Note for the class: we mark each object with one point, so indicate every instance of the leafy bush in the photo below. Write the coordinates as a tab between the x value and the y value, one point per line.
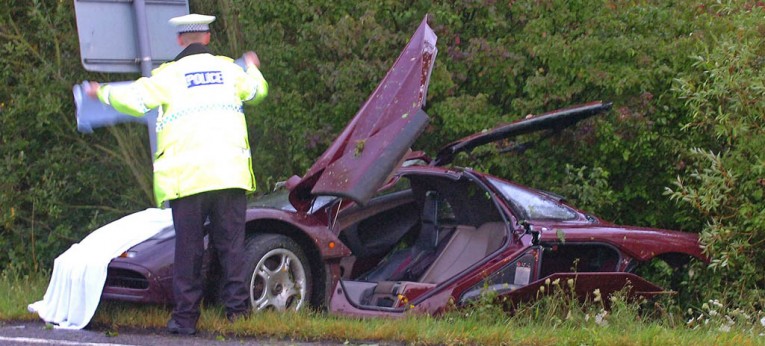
725	177
53	186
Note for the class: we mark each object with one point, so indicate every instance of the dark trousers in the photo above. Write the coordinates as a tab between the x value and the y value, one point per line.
226	211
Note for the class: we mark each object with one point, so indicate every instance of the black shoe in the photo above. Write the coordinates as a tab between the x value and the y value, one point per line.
174	328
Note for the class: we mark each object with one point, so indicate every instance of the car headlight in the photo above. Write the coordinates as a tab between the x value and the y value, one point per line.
128	254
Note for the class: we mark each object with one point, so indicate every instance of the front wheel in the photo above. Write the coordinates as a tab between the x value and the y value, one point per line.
279	276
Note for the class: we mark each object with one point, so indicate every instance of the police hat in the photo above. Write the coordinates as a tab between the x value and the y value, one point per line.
192	23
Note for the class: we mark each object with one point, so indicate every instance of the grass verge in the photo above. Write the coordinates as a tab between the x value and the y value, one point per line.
553	320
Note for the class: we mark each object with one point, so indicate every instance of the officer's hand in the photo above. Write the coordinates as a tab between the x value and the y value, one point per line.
92	89
251	59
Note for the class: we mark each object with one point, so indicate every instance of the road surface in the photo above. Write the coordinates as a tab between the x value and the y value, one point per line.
36	333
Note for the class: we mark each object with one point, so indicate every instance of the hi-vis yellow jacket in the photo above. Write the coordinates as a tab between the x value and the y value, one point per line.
202	142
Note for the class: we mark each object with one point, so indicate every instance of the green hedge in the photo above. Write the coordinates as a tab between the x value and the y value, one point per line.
682	75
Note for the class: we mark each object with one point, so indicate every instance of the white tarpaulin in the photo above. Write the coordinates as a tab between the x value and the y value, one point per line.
79	273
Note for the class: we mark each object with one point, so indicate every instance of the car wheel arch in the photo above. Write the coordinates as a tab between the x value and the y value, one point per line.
305	243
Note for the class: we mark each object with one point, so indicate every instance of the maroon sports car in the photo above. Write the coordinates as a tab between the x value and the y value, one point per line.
376	229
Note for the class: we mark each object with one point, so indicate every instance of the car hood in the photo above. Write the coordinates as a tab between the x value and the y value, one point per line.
555	120
373	144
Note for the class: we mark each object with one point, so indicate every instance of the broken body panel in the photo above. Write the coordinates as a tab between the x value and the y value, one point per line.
601	255
370	148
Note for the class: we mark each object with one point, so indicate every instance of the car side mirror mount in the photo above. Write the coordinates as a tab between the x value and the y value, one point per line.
529	229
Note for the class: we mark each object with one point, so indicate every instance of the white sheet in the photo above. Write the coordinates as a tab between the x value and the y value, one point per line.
79	273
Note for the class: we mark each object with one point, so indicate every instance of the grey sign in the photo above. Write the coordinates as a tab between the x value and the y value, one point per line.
108	33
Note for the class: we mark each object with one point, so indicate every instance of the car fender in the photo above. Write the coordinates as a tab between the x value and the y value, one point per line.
322	241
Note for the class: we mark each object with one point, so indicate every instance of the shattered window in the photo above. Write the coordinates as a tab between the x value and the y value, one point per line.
535	206
512	276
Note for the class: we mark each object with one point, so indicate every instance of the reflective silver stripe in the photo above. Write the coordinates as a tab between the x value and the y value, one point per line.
107	89
169	118
139	99
252	94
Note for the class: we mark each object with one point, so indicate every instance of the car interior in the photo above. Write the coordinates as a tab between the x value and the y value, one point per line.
419	233
581	258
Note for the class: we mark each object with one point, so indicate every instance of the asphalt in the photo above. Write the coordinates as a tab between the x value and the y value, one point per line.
37	333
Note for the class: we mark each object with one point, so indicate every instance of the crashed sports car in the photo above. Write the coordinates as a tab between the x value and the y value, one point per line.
376	229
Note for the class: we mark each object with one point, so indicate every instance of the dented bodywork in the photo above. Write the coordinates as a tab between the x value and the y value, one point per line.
374	142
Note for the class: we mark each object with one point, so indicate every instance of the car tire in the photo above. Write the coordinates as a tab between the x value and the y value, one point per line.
278	273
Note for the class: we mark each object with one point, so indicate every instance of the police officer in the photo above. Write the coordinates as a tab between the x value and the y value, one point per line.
202	165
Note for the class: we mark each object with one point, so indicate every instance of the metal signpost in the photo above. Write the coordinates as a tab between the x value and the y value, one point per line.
118	36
